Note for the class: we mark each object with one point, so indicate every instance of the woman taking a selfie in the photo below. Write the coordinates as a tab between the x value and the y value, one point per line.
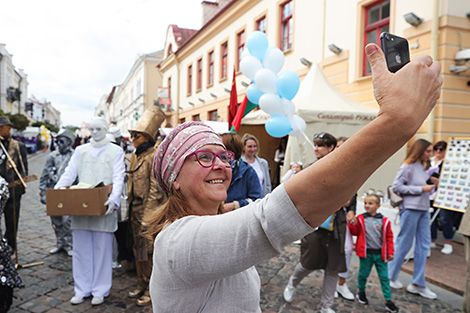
204	261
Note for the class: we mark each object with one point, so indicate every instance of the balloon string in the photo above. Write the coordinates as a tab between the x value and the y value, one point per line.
308	140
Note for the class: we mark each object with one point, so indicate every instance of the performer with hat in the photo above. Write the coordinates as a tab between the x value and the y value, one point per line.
18	154
144	195
55	166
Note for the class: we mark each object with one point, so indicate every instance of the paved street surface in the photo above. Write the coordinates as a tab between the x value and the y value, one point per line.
49	286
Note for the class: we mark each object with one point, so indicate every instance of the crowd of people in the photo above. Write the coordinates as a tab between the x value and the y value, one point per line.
202	210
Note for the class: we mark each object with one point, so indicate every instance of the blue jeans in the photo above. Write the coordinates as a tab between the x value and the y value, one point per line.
413	224
447	222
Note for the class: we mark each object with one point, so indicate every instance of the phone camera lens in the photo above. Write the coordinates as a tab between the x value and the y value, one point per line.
387	37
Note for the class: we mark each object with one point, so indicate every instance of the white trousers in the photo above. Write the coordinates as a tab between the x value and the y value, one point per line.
348	248
92	262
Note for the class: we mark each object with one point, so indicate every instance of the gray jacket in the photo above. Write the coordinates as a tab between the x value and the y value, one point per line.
54	168
266	188
409	182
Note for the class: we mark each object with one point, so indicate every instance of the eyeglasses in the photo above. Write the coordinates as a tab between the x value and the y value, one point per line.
439	149
62	140
206	158
135	136
319	135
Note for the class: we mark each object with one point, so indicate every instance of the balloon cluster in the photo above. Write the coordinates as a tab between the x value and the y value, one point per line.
273	92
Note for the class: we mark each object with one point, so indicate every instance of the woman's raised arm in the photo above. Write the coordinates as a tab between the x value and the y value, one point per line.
405	99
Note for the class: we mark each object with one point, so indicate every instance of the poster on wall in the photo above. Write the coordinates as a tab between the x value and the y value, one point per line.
453	191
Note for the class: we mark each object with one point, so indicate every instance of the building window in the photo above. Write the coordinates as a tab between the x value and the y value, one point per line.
223	60
261	24
210	68
212	115
196	118
182	120
377	20
190	79
240	47
286	25
199	75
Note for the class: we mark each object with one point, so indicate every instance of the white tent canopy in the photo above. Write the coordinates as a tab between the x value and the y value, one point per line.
325	109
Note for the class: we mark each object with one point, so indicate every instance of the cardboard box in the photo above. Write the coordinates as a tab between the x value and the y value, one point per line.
77	201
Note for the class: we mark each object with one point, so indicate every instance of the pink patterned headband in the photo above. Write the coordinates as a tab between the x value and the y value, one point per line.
171	153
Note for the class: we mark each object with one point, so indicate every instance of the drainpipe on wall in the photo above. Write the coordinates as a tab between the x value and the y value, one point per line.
177	91
19	100
434	42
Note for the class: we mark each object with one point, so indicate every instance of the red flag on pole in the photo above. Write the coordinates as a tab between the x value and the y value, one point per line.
238	118
233	108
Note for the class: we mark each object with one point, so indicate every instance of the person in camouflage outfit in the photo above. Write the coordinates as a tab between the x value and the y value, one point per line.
56	163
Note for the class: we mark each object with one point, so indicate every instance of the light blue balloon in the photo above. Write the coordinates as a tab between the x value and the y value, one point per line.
253	93
257	44
278	126
287	84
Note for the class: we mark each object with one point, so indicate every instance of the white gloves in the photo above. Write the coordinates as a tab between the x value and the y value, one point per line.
111	206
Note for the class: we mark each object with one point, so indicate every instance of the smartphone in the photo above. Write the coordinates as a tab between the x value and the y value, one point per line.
396	50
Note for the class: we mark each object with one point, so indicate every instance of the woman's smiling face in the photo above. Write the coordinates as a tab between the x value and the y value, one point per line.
204	188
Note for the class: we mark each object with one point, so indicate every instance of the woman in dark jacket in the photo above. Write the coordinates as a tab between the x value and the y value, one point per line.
244	186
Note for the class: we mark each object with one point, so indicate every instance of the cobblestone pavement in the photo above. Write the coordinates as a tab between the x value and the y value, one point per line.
49	286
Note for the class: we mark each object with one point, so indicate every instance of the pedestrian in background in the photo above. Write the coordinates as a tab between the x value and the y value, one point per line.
144	195
464	229
411	183
244	186
322	249
17	152
342	287
55	166
445	218
295	167
9	278
250	155
374	246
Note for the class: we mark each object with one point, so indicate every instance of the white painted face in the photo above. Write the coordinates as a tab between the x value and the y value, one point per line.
98	130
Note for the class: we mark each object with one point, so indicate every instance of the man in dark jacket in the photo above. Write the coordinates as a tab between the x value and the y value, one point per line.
17	152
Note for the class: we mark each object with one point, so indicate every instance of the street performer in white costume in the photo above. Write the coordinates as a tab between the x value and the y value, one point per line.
97	161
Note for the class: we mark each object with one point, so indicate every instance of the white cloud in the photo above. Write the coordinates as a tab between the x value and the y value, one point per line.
76	51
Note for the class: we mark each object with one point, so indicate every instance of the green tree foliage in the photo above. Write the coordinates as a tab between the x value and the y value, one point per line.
19	121
51	127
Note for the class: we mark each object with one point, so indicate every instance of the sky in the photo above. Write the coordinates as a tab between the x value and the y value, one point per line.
74	52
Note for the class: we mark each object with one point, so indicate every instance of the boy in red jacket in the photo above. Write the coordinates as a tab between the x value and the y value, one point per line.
374	245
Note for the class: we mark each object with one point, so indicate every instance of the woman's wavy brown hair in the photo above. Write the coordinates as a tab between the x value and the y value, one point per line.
416	151
174	208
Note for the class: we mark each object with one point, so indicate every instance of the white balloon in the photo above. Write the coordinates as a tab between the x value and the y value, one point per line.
249	66
266	80
271	103
298	126
274	59
288	108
